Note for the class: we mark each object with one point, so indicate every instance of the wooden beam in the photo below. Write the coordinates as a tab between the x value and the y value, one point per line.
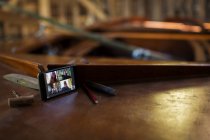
164	36
157	10
127	8
201	10
141	9
12	2
112	8
93	8
81	49
75	13
25	66
44	9
170	8
10	17
189	8
61	12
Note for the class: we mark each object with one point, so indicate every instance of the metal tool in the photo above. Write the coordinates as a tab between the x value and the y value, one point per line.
20	100
23	80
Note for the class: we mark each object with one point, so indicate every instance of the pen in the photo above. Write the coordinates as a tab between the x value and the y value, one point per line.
90	95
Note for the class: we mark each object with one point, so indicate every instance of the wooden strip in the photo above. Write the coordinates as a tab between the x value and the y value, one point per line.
44	8
141	8
127	8
30	44
112	8
136	73
81	49
93	9
156	10
27	67
76	14
113	70
201	11
9	17
172	36
170	8
189	8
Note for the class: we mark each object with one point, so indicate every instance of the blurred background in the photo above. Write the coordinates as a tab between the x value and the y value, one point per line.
178	28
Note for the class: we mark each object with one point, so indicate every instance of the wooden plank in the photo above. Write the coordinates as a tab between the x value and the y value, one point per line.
29	64
189	7
156	10
174	36
170	8
112	8
134	73
148	110
141	24
30	44
9	17
76	14
179	8
61	12
127	8
99	13
201	10
81	49
111	71
141	8
44	9
27	67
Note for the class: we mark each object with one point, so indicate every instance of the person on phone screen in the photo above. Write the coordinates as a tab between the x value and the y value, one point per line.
65	87
54	89
53	78
65	75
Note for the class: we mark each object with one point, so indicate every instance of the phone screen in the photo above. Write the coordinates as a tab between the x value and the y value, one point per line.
59	81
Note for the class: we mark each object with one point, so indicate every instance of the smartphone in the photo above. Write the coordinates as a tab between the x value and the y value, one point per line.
56	82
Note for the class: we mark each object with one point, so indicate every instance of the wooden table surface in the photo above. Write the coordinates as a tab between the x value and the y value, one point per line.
171	110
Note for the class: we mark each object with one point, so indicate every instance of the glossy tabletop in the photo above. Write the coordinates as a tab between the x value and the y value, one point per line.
166	110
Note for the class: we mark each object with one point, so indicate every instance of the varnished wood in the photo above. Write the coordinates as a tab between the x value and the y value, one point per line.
174	109
94	9
138	24
81	49
122	73
107	71
173	36
28	45
10	17
28	67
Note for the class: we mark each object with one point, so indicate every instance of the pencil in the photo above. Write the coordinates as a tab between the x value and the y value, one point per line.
90	95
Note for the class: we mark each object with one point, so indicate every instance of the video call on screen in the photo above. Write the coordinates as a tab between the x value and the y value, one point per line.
59	82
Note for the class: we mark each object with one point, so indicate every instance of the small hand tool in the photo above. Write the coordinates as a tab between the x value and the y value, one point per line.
20	100
23	80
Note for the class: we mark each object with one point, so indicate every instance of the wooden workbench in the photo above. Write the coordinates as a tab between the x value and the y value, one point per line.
172	110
